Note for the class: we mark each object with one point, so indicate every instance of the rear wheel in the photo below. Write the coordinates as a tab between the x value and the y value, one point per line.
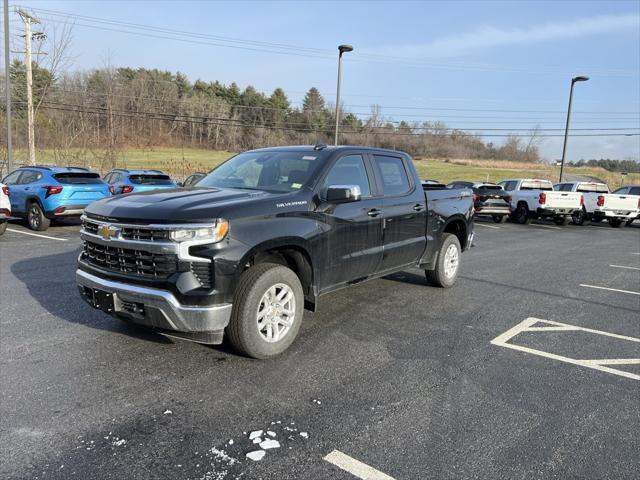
3	227
448	265
578	217
36	219
522	214
499	218
615	222
267	311
560	221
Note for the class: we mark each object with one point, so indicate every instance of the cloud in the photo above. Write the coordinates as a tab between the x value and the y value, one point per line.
490	37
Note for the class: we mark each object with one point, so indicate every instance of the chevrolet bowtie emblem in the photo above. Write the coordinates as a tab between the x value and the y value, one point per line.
108	232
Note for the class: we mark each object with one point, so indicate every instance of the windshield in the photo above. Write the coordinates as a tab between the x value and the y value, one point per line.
271	171
147	179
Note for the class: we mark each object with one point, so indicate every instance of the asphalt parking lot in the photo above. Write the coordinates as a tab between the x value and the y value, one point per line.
527	368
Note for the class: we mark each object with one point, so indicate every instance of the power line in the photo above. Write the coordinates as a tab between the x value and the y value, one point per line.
286	49
233	123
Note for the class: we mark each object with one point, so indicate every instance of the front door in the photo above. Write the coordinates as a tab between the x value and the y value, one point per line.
353	241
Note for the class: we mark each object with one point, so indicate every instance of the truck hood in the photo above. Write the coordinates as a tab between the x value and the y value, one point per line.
178	205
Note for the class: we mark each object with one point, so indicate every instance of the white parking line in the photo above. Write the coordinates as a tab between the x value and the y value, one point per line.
355	467
486	226
36	235
624	266
610	289
596	364
544	226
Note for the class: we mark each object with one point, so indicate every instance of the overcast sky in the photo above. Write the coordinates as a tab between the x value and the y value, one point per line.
474	65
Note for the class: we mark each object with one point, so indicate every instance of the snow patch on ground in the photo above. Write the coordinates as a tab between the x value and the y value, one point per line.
256	455
268	444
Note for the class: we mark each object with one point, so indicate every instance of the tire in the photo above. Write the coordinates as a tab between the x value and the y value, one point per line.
615	222
629	222
578	217
499	218
442	276
36	218
252	292
3	227
522	215
560	221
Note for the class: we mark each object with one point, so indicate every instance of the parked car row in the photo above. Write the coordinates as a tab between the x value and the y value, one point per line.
525	199
44	193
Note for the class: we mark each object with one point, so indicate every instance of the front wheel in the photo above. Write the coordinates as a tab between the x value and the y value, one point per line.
267	311
499	218
3	227
36	218
448	264
615	222
560	221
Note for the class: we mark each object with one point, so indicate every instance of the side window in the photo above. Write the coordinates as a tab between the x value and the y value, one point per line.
634	190
107	177
394	176
349	170
12	178
116	177
29	176
509	186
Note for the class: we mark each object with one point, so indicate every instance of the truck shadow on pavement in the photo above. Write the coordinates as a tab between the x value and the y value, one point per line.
51	281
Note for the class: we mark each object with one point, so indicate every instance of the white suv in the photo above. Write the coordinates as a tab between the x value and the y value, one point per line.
5	207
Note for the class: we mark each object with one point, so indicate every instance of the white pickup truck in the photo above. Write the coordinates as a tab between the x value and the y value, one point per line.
533	198
599	204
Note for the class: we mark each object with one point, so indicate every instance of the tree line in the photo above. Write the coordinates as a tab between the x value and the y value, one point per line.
109	109
629	166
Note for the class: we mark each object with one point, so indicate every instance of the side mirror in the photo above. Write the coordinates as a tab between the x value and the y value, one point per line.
343	193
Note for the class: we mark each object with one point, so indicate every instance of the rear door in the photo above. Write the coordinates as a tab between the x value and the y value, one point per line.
353	243
404	212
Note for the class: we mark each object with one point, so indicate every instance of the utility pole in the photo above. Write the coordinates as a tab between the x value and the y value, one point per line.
28	20
7	85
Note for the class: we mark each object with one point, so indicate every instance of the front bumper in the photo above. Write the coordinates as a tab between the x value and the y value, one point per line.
155	308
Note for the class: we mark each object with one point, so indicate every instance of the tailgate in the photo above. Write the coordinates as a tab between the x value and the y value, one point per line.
87	193
570	200
624	203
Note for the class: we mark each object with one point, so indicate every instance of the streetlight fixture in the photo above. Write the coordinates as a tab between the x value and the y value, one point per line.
566	130
342	49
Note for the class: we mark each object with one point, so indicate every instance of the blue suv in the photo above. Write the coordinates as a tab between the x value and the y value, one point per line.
42	193
127	181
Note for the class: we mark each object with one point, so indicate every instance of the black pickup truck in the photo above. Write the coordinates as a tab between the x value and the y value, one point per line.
262	237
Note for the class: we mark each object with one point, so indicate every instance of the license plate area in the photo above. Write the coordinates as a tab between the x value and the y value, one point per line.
100	299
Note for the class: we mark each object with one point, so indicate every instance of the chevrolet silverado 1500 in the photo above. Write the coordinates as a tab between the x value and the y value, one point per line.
262	237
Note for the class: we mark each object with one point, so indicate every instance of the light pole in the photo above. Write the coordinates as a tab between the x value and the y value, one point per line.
566	130
341	49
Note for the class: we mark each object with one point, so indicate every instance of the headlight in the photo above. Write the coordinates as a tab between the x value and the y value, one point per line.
213	233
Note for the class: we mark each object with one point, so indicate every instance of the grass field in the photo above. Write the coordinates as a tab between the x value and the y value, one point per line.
181	162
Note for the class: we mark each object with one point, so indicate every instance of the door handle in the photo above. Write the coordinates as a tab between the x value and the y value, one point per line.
374	212
417	207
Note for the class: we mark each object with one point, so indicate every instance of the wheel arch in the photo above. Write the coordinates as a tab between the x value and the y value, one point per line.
292	252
